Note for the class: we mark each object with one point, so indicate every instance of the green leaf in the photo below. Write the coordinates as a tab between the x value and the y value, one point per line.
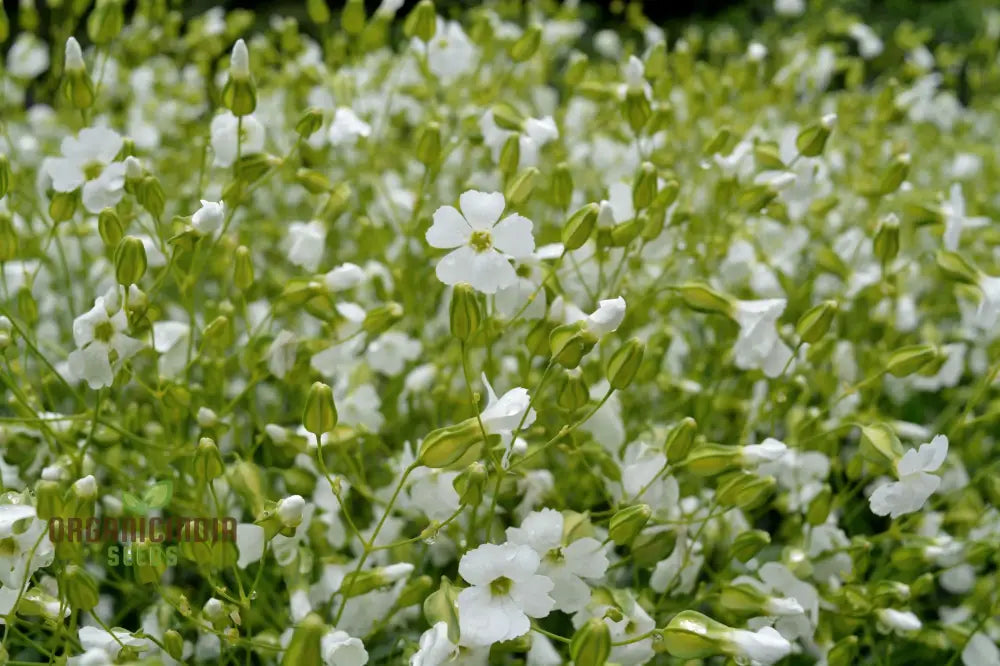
133	503
159	495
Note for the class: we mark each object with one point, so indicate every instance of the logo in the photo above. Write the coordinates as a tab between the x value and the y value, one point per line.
156	497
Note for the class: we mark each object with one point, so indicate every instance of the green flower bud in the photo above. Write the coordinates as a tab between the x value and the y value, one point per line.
910	359
644	186
208	464
649	548
521	187
591	644
415	591
562	186
239	95
507	117
8	238
624	364
702	298
429	144
572	393
895	174
421	22
923	585
151	196
527	44
5	175
318	12
691	635
48	499
379	320
748	544
306	644
4	34
452	446
337	202
766	156
353	18
681	440
320	414
130	261
110	228
744	490
569	344
576	69
242	268
956	267
218	332
812	139
510	155
77	86
843	653
248	169
744	598
27	307
314	181
174	644
441	606
105	21
819	507
719	142
357	583
63	205
652	222
815	323
711	459
756	197
886	241
537	340
636	110
464	311
580	226
469	484
149	562
880	445
311	121
80	587
655	65
626	232
626	525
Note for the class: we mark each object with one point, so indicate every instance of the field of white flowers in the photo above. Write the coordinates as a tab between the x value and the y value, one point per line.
497	337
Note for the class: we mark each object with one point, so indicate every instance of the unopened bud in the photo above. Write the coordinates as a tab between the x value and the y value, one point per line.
815	323
572	392
457	445
441	606
624	364
510	155
569	344
691	635
352	18
880	445
130	261
886	241
381	319
748	544
744	490
106	20
910	359
591	644
562	186
521	187
5	175
711	459
469	484
242	268
644	187
956	267
626	525
239	95
895	174
289	510
79	88
811	140
421	22
527	44
306	644
8	238
109	226
580	226
80	588
702	298
309	123
318	12
429	144
207	460
320	414
681	440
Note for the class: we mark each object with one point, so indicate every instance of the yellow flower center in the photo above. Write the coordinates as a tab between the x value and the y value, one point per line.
501	586
481	241
104	331
92	170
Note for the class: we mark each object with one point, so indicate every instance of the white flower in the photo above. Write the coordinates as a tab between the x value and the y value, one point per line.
28	56
900	622
96	639
767	451
98	335
346	128
435	648
482	244
566	565
916	484
340	649
170	342
534	135
345	276
239	61
306	244
980	651
505	592
281	353
607	317
790	7
503	415
210	217
869	44
758	344
764	646
87	161
226	131
290	509
74	57
955	219
391	351
20	531
635	75
450	53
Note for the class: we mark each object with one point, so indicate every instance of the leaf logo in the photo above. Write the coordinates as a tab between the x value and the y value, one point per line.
155	497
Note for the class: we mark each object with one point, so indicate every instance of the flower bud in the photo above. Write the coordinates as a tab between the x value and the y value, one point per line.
320	414
4	34
580	226
510	155
289	510
636	110
812	139
306	644
465	314
569	344
105	21
819	507
507	117
624	364
748	544
357	583
452	445
880	445
956	267
843	653
910	359
27	307
207	460
815	323
886	241
80	588
691	635
151	196
895	174
537	340
744	490
591	644
421	22
644	187
576	69
711	459
318	12
562	186
521	187
5	175
429	144
702	298
130	261
352	18
48	499
572	393
766	156
380	319
527	44
681	440
8	238
310	122
242	268
239	95
650	547
78	87
626	232
626	525
469	484
441	606
63	205
109	226
314	181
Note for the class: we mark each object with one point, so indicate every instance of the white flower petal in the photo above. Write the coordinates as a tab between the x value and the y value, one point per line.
480	209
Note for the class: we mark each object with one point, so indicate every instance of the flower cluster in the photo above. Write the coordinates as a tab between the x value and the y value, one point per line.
500	336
